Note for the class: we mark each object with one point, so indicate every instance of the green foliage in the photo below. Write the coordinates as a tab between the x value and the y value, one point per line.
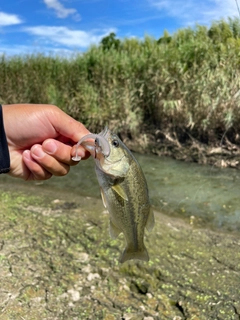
220	32
165	39
190	79
234	25
110	42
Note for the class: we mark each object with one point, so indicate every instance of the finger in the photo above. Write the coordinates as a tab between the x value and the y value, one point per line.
81	152
58	150
35	171
61	151
67	126
48	162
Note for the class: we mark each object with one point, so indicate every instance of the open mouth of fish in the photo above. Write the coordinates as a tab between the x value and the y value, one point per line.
96	144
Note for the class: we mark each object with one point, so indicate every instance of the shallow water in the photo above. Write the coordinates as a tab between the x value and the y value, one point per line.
201	194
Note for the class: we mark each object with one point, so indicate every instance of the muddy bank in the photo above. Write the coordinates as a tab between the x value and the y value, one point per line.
58	262
216	149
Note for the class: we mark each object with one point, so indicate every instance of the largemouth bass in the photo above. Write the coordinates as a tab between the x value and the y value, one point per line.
124	191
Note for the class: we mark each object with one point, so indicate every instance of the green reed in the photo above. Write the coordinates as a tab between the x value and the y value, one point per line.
189	80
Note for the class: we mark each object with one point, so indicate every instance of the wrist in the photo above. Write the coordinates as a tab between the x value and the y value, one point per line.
4	152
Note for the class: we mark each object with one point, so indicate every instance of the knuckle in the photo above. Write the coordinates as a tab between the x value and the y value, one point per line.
63	171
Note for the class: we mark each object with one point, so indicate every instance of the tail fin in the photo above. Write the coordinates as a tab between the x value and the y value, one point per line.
129	254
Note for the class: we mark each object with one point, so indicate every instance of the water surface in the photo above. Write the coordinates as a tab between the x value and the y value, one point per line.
202	194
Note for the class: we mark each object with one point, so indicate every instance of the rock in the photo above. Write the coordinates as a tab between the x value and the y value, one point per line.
87	269
75	294
93	276
233	163
217	150
63	296
56	201
131	316
83	257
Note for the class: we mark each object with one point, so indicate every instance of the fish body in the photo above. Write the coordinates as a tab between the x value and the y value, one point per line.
124	191
125	195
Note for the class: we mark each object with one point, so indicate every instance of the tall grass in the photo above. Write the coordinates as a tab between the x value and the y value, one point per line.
190	80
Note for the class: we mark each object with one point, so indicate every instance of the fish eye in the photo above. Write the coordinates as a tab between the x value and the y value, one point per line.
115	143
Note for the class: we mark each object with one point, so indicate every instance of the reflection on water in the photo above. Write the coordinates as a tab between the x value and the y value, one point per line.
176	188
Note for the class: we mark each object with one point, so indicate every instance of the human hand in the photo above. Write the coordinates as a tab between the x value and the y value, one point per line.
40	140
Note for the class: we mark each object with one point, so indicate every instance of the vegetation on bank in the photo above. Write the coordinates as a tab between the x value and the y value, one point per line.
189	81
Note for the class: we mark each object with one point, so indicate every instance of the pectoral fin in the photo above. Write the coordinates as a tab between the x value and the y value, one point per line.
119	190
114	230
150	221
103	198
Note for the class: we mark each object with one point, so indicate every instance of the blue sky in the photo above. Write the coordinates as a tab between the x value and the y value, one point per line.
65	26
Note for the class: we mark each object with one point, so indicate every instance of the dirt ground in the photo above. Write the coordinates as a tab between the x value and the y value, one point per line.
57	261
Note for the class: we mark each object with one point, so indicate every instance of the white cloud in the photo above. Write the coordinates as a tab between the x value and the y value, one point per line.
68	37
192	11
9	19
222	9
61	11
16	50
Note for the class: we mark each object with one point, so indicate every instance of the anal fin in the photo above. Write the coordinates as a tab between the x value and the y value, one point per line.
114	230
150	220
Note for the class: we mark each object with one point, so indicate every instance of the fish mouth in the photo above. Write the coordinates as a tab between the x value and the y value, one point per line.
101	143
97	146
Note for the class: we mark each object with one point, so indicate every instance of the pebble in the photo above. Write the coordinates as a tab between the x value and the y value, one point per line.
63	296
83	257
56	201
93	276
87	269
75	294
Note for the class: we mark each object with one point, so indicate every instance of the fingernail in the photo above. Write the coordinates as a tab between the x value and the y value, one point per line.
50	146
78	154
26	154
38	152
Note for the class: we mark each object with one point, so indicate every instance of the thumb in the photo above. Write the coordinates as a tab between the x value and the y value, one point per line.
67	126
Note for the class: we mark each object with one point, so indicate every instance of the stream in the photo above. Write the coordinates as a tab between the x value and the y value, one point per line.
203	195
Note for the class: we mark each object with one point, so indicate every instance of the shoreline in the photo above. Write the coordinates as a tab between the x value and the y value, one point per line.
220	153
